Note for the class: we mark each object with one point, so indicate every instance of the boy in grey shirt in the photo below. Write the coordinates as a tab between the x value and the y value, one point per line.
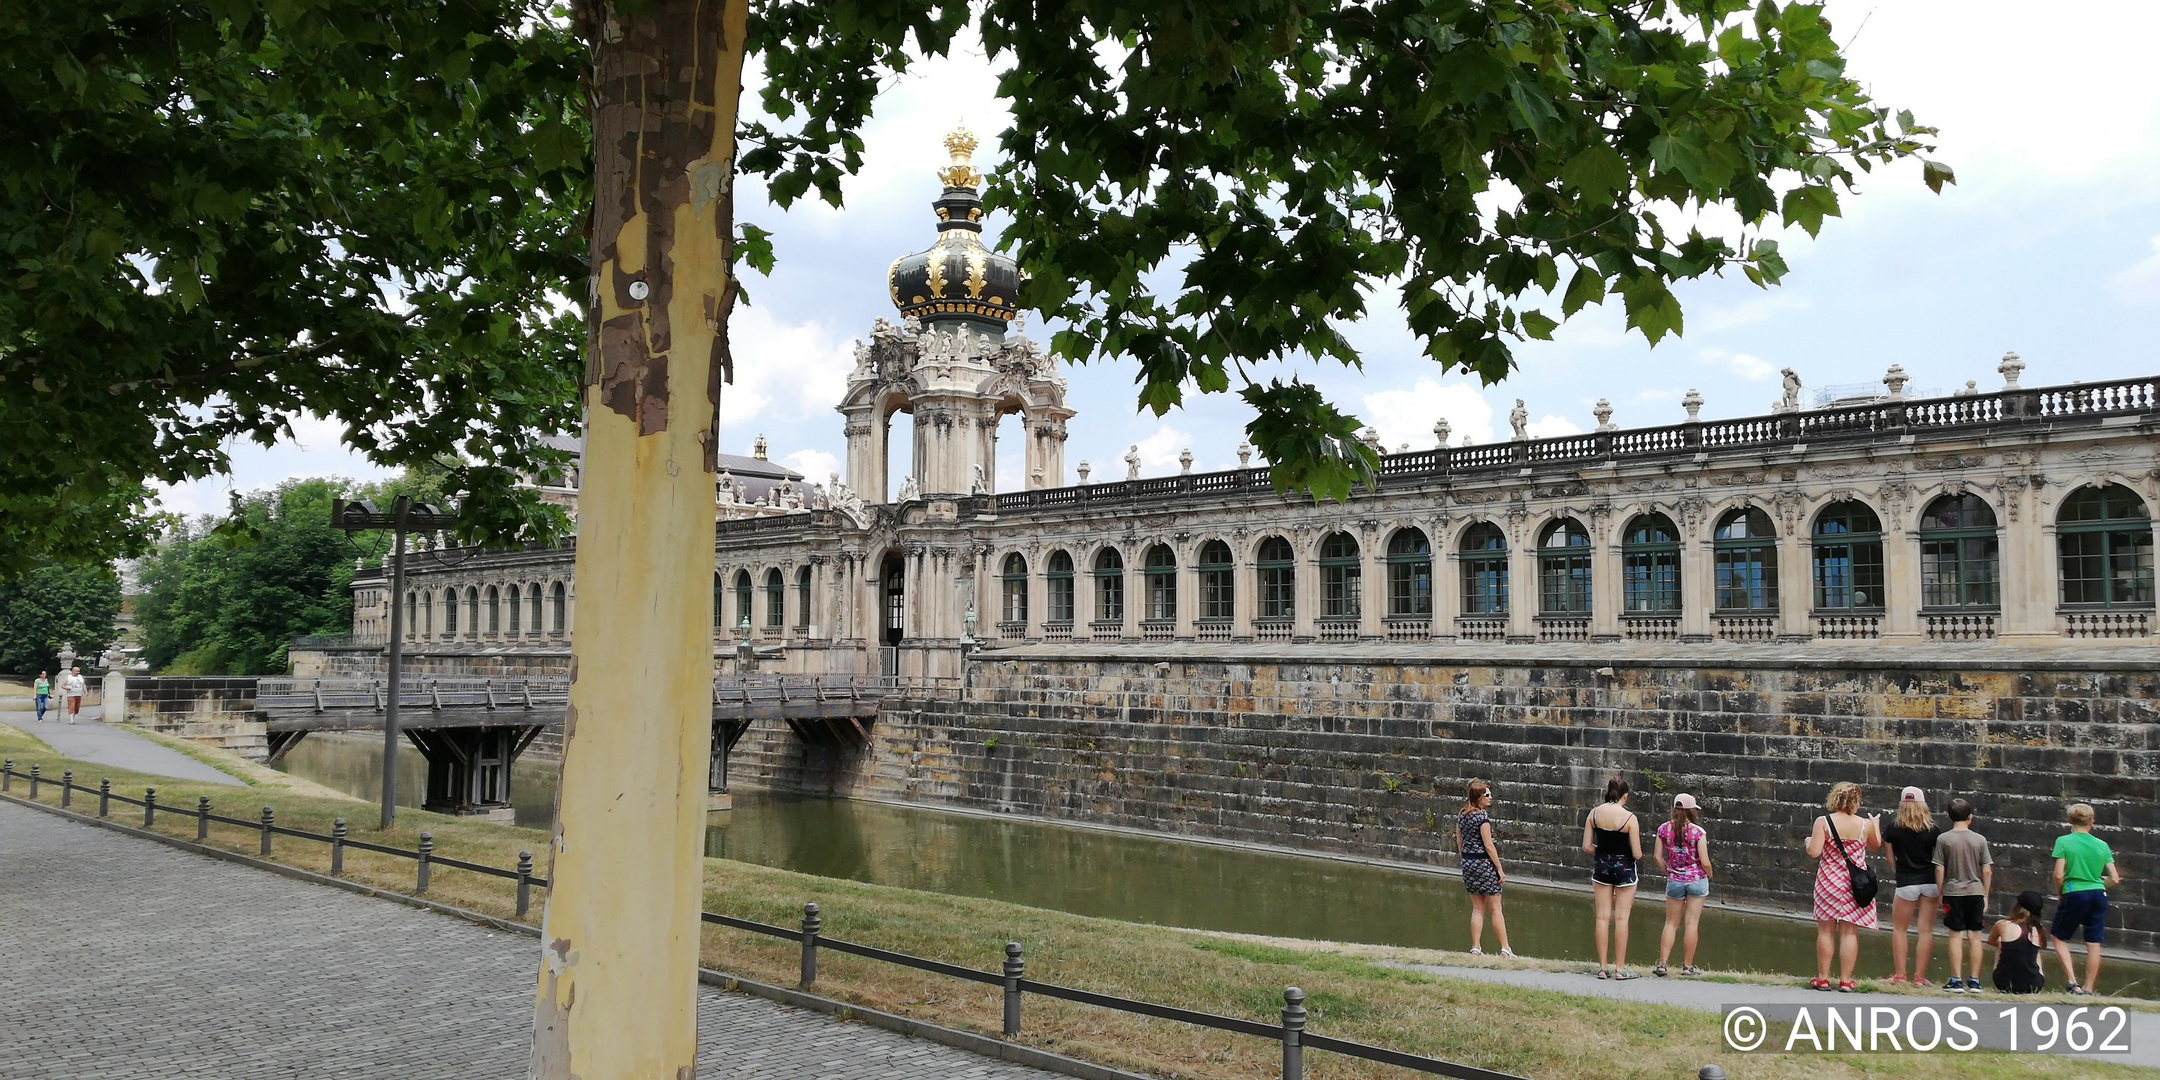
1964	871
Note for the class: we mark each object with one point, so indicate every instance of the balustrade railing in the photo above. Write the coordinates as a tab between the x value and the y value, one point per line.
1058	631
1106	630
1212	629
2106	624
1011	975
1477	629
1563	628
1959	627
1409	629
1745	627
1273	629
1339	630
1012	631
1650	627
1847	627
1158	630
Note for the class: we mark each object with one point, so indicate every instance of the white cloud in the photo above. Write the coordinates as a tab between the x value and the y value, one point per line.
1548	426
1745	365
2139	283
1407	416
784	372
1747	312
817	466
1159	452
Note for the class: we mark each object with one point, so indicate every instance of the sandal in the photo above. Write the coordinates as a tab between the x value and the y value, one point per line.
2078	990
1924	982
1691	970
1818	984
1624	975
1602	975
1658	971
1509	953
1475	951
1846	987
1894	980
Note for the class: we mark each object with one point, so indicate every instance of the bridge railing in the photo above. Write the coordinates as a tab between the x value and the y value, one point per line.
553	691
1011	976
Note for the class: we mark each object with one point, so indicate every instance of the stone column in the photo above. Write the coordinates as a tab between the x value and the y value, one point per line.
1245	591
1796	592
1522	587
1698	597
1372	583
1605	591
1901	578
1188	591
2028	569
1446	580
1305	586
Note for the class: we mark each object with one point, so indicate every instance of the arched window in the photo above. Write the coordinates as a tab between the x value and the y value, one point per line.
1277	564
1484	570
515	609
1848	558
427	614
1109	586
2105	540
1650	566
1342	580
1744	561
1059	579
1218	587
561	621
1564	568
745	600
532	608
1014	590
1159	567
472	611
775	598
802	598
1409	575
719	601
494	611
1960	554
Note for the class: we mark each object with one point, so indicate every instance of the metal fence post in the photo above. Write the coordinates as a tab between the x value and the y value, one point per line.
1293	1034
427	853
1015	967
149	807
7	775
1710	1072
524	882
337	847
269	820
202	817
811	924
35	769
67	788
104	797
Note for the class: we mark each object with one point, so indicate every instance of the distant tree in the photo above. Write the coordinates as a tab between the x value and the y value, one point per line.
227	596
54	607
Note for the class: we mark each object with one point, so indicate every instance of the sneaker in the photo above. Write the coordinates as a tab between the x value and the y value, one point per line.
1972	986
1954	985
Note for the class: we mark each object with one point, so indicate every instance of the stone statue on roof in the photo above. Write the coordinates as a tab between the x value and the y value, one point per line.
1518	418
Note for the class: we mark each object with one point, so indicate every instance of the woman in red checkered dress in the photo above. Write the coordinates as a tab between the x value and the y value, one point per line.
1840	840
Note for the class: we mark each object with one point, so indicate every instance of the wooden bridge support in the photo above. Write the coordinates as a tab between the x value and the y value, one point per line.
469	768
726	733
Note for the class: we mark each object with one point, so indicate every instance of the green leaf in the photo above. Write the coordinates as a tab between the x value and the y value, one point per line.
1597	172
1935	174
1587	286
1538	325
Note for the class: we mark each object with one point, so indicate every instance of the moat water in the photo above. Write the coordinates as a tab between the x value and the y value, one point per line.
1160	880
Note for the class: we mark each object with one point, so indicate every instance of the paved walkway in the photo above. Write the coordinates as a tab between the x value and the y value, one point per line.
129	958
90	739
1711	996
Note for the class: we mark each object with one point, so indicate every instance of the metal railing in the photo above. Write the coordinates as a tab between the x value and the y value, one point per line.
1011	977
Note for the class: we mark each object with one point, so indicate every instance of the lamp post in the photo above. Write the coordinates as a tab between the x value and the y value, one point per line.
359	515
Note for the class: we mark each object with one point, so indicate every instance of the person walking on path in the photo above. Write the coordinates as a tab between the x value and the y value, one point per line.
1839	844
73	688
2020	941
43	689
1482	874
1613	839
1965	871
1911	840
1683	852
2084	868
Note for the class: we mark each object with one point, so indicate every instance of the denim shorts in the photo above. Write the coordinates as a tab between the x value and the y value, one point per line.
1682	890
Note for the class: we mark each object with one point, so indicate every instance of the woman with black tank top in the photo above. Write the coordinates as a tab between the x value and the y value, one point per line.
2020	941
1911	840
1613	839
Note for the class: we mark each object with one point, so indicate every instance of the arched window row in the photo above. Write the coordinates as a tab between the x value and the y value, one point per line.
500	611
769	599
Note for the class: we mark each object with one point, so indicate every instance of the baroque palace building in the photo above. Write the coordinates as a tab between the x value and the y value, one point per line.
2016	518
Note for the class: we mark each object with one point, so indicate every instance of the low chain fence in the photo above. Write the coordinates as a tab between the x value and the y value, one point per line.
1011	976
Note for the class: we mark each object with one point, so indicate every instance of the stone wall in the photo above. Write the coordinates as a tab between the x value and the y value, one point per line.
215	710
1368	754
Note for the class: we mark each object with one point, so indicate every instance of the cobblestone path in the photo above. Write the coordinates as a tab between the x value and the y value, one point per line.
124	957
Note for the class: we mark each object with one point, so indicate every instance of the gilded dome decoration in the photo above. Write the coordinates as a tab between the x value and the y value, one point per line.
958	278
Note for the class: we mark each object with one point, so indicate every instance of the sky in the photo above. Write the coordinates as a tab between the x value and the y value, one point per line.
2048	245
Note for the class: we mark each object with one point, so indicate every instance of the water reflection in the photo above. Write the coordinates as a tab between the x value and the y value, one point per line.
1143	878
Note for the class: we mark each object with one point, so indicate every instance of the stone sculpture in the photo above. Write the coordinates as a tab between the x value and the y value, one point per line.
1518	418
1132	462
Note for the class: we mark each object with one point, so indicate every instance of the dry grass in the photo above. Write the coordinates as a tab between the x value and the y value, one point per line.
1542	1034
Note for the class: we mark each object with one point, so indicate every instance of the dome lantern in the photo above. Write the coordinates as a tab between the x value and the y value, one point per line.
958	280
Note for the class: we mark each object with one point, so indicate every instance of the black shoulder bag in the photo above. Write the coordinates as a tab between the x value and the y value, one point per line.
1864	885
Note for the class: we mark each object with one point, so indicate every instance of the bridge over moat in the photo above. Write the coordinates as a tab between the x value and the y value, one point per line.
471	730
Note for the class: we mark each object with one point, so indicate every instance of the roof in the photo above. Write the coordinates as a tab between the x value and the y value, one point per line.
742	466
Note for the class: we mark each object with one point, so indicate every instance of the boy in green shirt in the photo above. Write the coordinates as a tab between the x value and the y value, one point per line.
43	690
2084	868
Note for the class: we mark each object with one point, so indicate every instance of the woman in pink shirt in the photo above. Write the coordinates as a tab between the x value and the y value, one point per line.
1683	851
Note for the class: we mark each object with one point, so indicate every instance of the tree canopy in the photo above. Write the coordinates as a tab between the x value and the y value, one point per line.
52	608
218	214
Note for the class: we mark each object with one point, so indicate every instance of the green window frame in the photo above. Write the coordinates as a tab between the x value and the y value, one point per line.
1342	577
1109	586
1744	563
2104	542
1484	570
1564	569
1013	587
1218	582
1960	555
1409	574
1846	557
1058	589
1159	568
1650	566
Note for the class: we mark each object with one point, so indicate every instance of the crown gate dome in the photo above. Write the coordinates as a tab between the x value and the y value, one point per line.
958	278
